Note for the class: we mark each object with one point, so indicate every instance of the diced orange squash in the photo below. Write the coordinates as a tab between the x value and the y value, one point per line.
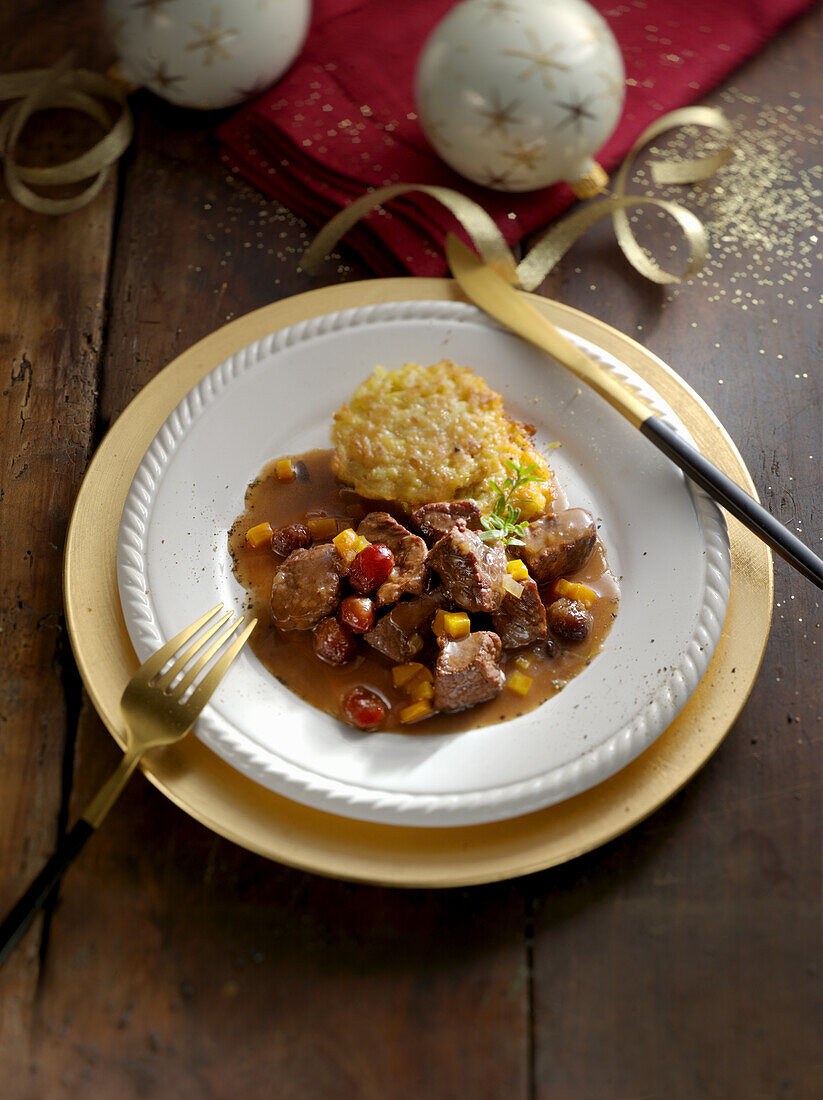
457	624
421	689
451	624
519	682
572	590
360	543
524	662
284	470
322	527
517	569
409	679
344	541
415	711
404	674
259	535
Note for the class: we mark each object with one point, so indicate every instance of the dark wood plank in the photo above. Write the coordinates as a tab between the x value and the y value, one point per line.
199	969
52	290
685	959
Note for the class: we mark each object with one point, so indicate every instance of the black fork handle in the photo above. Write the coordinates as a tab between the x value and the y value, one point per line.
31	903
734	499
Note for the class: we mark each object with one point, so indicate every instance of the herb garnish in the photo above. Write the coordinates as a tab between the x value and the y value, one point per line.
501	524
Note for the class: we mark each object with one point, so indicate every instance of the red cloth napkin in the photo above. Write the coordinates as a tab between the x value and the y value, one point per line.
343	118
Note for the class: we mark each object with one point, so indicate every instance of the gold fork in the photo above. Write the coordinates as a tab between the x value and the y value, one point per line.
159	706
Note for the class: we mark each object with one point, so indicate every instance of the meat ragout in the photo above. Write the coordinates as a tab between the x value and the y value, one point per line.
409	620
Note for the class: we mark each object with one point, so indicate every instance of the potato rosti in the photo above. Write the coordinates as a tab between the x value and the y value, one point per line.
420	434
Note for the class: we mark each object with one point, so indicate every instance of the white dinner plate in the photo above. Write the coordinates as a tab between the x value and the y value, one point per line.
666	541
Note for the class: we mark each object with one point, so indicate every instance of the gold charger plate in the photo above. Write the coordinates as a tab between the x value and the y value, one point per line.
234	806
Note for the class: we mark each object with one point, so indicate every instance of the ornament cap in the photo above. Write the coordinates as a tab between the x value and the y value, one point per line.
593	181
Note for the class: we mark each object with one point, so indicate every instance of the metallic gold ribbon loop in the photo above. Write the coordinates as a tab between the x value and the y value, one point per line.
663	172
549	249
485	236
76	89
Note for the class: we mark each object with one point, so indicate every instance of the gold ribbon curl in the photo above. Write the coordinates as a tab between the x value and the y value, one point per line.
553	245
79	90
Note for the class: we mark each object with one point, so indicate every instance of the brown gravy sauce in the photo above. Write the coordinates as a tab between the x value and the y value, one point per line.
291	657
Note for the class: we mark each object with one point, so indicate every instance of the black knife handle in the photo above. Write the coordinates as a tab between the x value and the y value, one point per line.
26	909
726	492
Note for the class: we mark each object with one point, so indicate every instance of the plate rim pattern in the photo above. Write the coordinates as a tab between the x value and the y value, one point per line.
324	792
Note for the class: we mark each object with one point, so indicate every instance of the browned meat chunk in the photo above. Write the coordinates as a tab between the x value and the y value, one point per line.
569	619
306	587
471	571
521	620
436	520
408	576
556	545
468	671
401	633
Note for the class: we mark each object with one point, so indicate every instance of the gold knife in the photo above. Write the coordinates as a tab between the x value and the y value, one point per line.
483	286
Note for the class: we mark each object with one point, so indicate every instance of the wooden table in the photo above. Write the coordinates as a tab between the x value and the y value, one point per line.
682	960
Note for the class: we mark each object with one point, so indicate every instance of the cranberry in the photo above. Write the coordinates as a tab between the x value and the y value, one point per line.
362	708
334	641
371	567
294	536
357	612
569	619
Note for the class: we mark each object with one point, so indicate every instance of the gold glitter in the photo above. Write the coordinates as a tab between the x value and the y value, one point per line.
759	208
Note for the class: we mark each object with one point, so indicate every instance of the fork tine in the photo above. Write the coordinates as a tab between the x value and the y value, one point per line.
201	662
201	694
184	658
153	665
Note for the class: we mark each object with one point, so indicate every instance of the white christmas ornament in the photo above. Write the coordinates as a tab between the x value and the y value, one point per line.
198	53
519	94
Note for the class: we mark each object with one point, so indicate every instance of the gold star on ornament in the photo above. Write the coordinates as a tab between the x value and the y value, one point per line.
541	60
490	178
150	7
526	155
500	115
160	75
212	38
503	8
576	113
